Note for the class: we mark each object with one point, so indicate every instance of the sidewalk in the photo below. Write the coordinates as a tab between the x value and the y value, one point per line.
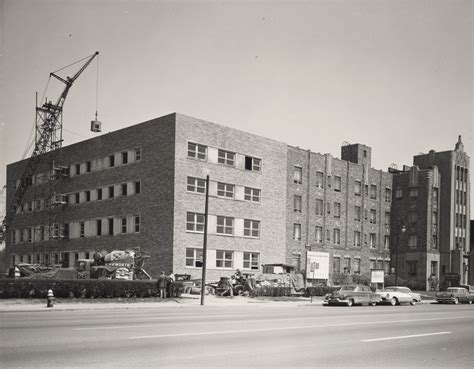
186	301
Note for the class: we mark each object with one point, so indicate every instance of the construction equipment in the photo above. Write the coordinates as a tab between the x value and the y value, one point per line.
48	139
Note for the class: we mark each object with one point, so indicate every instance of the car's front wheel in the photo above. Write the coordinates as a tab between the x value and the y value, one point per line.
413	302
350	302
456	301
393	301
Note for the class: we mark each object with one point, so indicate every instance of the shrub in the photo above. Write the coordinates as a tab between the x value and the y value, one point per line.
341	278
79	288
271	291
361	279
389	280
319	290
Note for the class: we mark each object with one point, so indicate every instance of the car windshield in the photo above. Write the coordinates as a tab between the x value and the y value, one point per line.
454	290
348	288
391	289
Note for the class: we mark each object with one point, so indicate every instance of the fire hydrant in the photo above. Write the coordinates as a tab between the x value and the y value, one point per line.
50	299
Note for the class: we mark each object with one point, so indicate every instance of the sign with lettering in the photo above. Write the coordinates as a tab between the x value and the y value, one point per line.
317	265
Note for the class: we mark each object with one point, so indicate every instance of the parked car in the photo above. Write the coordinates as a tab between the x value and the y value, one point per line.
351	295
455	295
397	295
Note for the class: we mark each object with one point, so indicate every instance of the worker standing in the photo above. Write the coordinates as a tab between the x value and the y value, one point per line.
161	284
170	284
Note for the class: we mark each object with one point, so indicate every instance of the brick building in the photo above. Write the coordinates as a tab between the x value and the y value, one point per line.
415	224
340	208
142	186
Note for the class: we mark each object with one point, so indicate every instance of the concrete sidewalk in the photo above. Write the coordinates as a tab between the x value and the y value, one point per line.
186	301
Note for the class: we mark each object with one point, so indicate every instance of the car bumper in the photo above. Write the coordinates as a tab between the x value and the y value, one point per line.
336	302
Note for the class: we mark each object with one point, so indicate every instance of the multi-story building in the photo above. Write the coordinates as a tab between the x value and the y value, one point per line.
415	225
431	202
338	207
143	186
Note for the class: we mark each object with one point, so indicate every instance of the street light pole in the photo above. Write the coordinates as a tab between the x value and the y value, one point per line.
401	228
204	246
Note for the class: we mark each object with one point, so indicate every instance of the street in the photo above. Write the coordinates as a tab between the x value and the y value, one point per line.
306	335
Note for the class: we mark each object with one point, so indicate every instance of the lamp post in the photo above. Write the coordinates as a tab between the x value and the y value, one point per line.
204	245
401	228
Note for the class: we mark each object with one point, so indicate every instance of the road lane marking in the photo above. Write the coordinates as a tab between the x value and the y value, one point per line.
293	328
402	337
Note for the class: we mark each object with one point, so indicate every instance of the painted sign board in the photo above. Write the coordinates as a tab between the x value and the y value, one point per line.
377	276
317	265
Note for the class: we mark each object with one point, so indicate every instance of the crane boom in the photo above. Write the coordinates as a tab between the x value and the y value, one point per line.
48	138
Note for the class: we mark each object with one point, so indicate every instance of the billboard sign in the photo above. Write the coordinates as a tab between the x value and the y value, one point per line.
317	265
377	276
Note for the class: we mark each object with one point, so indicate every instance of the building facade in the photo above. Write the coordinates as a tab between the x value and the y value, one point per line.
415	225
338	207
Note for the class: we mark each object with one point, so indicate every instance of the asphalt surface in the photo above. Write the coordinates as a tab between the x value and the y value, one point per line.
287	335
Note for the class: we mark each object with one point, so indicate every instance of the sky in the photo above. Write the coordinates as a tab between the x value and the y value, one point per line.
394	75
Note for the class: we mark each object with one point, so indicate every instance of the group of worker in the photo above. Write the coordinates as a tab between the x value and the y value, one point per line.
227	285
165	285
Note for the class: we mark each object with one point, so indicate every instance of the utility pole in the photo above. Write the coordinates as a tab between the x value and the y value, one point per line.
204	246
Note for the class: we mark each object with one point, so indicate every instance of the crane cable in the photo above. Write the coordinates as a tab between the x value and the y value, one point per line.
97	89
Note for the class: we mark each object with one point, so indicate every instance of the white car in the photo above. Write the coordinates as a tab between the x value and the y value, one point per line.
398	295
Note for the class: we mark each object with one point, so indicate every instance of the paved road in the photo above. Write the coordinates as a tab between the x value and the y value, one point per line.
245	336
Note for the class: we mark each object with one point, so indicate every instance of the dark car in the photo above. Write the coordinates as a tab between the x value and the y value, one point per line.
351	295
455	295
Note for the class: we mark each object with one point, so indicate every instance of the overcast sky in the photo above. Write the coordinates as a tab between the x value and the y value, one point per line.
395	75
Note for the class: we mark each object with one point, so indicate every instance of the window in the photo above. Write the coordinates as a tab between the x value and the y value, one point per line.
373	216
225	225
38	205
99	227
111	161
434	242
372	264
137	223
337	210
337	236
196	185
78	169
357	239
30	206
138	186
251	228
13	236
125	157
99	194
195	222
197	151
379	264
253	164
413	191
224	259
124	189
123	225
328	235
386	242
347	265
297	232
337	183
138	154
356	266
297	203
328	207
30	235
373	192
194	258
412	268
88	167
82	229
319	207
398	193
357	213
88	196
225	190
252	194
366	190
412	217
111	226
251	260
77	198
412	242
388	195
358	188
111	192
336	264
319	234
372	241
226	157
319	180
387	219
298	175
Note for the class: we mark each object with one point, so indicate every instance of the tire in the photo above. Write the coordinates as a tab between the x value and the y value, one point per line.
372	303
393	301
238	290
469	302
456	301
413	302
350	302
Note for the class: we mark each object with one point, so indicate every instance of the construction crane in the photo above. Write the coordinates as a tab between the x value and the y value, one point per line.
48	138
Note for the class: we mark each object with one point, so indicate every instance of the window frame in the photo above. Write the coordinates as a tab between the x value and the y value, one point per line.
197	224
222	258
251	227
226	157
251	195
251	263
224	225
199	151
